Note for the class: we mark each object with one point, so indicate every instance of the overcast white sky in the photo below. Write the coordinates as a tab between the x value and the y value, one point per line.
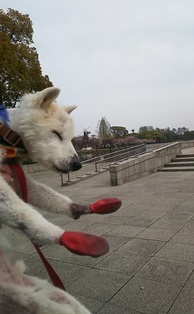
131	61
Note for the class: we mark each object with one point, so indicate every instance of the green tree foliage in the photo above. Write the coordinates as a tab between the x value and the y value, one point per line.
118	131
144	129
20	70
188	135
103	128
165	135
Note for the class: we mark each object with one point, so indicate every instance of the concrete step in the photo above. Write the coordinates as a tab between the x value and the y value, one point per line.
170	169
183	162
185	155
183	159
180	164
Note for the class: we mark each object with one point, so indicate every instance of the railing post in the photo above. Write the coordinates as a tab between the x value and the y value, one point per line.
96	167
61	179
68	178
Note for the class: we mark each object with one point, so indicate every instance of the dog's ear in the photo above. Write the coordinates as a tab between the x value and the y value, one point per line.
47	96
70	108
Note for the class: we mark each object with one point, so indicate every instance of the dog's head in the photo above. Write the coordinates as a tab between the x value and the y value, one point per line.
47	130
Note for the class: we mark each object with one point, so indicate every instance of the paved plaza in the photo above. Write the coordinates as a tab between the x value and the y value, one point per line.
150	265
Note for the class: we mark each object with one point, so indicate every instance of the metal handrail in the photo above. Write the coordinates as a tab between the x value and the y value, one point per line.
131	152
116	156
104	156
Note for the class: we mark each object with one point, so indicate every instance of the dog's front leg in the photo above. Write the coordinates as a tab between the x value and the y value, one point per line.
45	198
17	214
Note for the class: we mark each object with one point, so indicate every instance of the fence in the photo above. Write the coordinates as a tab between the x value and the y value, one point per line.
92	165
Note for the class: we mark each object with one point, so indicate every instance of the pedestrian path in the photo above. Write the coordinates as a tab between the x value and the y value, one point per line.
150	266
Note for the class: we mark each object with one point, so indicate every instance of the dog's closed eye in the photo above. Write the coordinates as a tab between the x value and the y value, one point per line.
57	134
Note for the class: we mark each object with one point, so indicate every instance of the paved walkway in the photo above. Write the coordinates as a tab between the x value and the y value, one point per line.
150	266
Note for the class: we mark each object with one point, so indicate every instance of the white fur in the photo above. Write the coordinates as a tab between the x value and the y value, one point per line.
24	294
36	118
35	121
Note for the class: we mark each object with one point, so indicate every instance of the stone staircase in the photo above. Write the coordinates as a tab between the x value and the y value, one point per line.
184	162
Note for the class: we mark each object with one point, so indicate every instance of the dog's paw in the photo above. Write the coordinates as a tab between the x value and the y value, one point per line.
78	210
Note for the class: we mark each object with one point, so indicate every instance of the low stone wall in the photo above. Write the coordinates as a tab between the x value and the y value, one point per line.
137	167
187	144
33	168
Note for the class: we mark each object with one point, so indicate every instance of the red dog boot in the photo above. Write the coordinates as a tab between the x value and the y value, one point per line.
84	244
105	206
102	207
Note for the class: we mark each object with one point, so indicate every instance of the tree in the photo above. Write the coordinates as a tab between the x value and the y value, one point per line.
103	128
144	129
118	131
19	63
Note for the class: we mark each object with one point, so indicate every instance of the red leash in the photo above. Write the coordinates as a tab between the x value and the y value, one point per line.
23	187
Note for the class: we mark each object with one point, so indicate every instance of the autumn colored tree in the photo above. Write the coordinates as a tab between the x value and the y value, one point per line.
20	70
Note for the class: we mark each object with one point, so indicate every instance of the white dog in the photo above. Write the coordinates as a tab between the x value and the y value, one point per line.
46	130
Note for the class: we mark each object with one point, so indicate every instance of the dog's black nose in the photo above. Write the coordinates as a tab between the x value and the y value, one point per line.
75	163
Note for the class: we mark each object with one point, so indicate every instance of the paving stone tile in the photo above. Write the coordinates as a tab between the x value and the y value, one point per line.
77	225
179	195
146	296
183	216
154	212
167	271
184	236
34	266
91	304
122	262
177	251
114	309
156	234
146	200
184	303
168	197
17	241
126	202
169	201
89	218
116	242
168	223
68	272
185	207
99	228
141	221
161	207
113	219
132	210
102	285
60	253
126	231
190	224
25	247
142	246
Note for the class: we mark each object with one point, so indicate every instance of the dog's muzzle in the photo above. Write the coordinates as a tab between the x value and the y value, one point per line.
75	164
